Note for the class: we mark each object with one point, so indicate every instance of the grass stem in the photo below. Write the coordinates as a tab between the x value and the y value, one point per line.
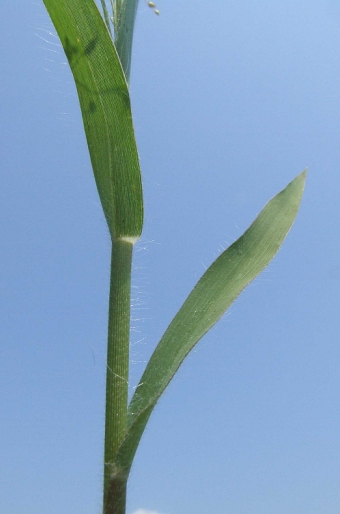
117	374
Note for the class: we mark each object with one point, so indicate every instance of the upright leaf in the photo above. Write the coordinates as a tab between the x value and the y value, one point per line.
124	20
220	285
105	106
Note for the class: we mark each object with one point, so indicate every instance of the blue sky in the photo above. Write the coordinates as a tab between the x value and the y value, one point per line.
231	100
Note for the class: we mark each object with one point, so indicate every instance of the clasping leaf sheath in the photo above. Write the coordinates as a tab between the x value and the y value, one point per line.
105	105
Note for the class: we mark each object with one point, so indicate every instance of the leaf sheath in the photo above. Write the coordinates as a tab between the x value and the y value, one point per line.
106	111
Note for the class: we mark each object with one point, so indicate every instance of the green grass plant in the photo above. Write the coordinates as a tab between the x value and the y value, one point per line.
98	49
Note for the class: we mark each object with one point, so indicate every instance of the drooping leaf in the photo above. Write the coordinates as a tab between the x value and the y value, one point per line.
220	285
105	106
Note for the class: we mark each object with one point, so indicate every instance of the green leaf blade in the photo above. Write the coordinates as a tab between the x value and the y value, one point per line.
106	111
220	285
124	20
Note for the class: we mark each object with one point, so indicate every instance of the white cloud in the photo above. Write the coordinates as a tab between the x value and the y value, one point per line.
143	511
